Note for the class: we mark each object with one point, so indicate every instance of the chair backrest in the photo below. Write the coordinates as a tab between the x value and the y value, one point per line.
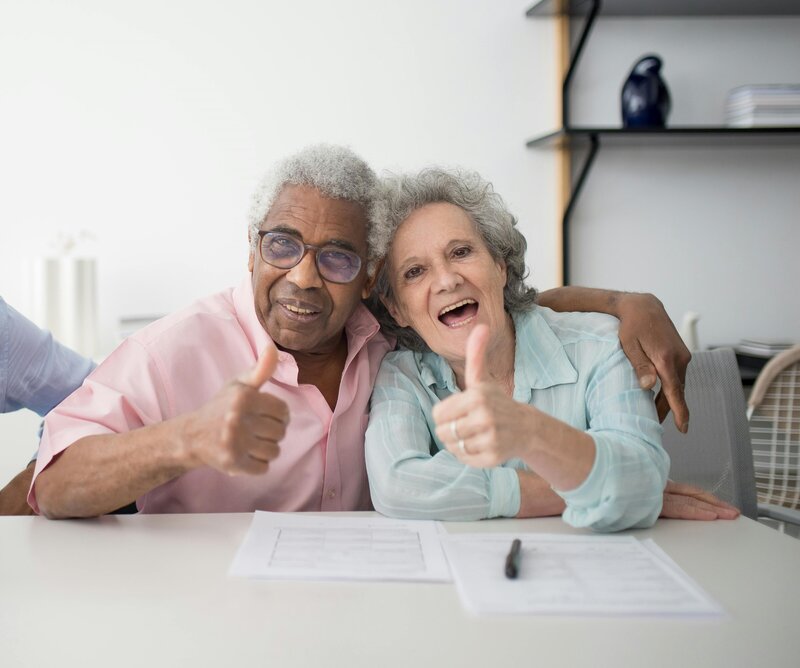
715	454
774	412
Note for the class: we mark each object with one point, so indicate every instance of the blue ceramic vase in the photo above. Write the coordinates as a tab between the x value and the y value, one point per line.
645	97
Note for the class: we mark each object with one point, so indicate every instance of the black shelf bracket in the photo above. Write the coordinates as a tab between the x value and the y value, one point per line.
573	61
594	146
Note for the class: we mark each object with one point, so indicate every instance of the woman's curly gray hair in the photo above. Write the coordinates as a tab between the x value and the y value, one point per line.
402	195
335	171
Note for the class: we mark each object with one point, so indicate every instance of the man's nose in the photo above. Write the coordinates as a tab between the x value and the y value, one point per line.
305	274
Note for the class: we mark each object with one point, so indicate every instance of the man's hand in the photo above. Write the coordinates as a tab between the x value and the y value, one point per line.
654	347
687	502
239	429
14	496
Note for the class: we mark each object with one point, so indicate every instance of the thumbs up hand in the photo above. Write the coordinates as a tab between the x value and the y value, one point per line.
475	363
482	426
238	430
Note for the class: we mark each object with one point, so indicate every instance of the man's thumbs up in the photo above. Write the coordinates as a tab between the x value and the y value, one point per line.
475	364
263	369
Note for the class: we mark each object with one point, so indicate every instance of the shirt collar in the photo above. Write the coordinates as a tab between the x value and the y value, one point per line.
540	360
361	328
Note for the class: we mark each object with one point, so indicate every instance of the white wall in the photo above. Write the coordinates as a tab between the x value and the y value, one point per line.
149	123
713	230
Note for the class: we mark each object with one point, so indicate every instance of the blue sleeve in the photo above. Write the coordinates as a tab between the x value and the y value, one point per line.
36	372
406	480
624	489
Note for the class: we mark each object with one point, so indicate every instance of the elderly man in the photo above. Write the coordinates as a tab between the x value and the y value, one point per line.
200	412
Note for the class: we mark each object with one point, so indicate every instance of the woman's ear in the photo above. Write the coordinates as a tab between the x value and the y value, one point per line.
388	302
501	266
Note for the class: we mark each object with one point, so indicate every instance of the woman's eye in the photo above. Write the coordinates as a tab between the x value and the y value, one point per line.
462	251
413	272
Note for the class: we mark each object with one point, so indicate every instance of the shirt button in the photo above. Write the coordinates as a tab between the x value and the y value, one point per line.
331	493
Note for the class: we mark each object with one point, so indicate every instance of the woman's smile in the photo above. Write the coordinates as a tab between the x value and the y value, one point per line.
460	313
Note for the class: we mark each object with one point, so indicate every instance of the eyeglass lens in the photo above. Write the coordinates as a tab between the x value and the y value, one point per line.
337	265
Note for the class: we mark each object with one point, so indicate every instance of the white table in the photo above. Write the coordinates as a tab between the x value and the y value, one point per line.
152	590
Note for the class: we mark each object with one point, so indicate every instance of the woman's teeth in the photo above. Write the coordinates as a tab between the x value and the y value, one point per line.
452	307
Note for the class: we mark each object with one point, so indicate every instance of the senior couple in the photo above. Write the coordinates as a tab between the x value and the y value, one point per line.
493	404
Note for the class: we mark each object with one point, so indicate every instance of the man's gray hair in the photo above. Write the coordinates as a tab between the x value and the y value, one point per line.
404	194
335	171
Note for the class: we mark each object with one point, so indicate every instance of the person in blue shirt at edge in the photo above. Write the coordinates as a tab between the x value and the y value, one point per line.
495	405
38	373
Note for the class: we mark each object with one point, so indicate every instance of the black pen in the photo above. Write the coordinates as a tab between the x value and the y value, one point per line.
512	560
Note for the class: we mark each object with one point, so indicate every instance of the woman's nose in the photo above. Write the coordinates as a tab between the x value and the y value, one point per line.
446	279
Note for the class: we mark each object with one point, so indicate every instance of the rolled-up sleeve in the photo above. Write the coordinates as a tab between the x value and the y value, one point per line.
624	488
410	474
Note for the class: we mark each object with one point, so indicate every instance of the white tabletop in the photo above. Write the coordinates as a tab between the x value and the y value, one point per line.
153	590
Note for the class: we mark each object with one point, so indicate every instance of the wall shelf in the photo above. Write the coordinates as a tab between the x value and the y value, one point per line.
569	138
699	136
675	8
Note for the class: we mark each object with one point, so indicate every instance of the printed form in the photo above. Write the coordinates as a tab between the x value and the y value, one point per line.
573	575
308	547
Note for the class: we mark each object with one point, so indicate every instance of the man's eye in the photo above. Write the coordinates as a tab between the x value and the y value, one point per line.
413	272
462	251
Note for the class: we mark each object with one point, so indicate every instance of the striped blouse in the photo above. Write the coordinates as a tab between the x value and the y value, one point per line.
569	365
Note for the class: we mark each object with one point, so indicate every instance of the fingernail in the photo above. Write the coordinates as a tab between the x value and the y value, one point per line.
685	427
647	381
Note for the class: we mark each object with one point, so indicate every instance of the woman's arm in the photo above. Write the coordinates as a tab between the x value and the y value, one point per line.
610	476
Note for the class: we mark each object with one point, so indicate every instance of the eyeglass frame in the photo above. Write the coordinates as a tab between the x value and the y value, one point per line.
306	248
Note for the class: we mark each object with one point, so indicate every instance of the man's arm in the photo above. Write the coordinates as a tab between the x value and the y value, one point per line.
237	431
12	496
647	335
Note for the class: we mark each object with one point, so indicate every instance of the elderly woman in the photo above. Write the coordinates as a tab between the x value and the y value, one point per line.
497	406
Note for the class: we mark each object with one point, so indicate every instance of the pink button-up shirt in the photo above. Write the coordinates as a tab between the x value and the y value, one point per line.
178	363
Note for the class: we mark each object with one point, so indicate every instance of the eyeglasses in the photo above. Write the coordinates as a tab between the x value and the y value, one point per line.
334	264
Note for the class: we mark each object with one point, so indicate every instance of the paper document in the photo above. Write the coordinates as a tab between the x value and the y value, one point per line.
576	575
314	547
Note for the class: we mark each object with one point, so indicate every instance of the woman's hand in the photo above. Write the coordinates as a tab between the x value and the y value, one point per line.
484	427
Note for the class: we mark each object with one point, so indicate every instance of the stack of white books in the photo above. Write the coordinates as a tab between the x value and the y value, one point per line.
764	105
763	347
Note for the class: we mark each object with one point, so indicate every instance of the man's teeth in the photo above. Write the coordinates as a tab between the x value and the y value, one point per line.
452	307
297	309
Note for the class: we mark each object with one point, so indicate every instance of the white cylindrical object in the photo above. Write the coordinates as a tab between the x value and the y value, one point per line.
65	300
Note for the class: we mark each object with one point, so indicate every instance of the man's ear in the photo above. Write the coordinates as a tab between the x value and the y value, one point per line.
371	280
251	259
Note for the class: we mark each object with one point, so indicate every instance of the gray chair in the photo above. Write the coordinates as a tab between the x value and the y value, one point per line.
715	454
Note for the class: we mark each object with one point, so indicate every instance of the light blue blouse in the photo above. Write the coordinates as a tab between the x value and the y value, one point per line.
36	372
569	365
